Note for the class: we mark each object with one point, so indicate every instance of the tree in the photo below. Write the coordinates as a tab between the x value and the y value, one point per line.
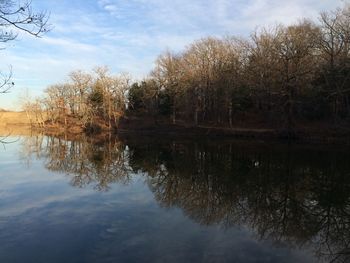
262	70
57	102
81	82
295	47
135	97
110	93
167	74
5	81
16	17
334	46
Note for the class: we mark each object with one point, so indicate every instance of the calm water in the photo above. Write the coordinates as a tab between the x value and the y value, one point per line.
151	200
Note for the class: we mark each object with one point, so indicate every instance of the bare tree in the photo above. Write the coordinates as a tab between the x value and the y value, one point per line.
16	17
167	73
5	81
295	47
81	83
334	46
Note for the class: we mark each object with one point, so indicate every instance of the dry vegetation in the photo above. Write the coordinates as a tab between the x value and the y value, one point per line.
14	123
13	118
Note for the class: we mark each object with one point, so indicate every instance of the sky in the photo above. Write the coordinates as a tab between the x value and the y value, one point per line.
128	35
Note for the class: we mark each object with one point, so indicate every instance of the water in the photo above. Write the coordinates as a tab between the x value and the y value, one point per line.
172	200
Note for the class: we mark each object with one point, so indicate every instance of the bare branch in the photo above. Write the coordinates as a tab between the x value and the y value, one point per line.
5	81
19	17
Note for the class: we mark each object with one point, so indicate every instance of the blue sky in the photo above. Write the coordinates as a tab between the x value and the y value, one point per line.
128	35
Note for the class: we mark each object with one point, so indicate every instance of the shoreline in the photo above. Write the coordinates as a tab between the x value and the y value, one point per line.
301	135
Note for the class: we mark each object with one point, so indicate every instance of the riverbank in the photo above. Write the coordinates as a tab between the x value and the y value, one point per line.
18	123
312	133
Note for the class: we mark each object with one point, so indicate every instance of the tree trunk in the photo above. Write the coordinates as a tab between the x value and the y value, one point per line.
174	113
196	117
230	114
290	111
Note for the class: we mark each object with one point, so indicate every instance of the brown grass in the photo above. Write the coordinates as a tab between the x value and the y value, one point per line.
14	123
13	118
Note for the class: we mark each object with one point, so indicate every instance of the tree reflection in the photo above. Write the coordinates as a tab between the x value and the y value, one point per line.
288	194
86	161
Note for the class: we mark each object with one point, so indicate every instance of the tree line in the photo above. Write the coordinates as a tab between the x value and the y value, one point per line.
281	76
89	99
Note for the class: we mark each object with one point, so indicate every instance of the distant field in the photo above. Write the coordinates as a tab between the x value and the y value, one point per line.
13	123
11	118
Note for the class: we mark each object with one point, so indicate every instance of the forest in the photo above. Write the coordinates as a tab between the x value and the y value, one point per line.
281	77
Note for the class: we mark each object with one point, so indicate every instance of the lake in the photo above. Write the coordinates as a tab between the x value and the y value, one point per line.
144	199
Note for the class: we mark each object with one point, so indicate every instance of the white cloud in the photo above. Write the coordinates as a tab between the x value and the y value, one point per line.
68	44
267	12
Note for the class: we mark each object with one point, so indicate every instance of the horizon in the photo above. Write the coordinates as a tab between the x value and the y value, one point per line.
127	36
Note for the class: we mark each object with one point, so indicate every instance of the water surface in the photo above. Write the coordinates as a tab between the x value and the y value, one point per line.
172	200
